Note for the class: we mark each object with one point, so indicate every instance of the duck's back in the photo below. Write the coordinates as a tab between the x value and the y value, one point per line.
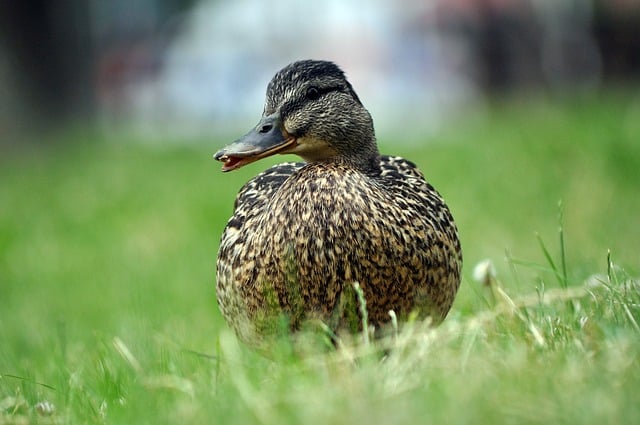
301	235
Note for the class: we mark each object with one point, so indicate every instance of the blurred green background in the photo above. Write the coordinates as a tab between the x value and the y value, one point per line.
111	207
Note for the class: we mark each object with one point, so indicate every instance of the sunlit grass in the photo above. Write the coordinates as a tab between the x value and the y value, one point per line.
108	312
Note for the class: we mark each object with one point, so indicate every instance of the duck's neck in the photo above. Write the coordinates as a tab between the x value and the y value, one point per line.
365	159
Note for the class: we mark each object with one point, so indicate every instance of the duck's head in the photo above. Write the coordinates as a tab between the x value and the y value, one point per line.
311	110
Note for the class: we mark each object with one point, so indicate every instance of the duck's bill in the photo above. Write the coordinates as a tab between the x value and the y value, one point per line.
266	139
239	154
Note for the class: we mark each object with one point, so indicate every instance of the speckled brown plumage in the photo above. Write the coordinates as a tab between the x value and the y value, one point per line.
302	233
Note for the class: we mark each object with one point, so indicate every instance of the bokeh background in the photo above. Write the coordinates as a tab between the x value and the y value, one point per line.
186	68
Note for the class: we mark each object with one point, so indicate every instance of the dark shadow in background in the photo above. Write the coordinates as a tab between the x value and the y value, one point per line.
52	53
48	49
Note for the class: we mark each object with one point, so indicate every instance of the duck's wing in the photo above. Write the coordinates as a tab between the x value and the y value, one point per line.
405	176
397	166
257	192
422	216
408	182
234	266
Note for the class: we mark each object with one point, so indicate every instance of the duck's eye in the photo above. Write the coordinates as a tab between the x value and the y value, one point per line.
313	93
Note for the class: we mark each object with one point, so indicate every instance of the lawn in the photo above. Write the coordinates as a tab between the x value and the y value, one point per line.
107	284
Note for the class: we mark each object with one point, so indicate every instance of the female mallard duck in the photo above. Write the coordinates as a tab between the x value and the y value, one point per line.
302	233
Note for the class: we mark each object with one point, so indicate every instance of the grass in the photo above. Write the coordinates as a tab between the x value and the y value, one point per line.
108	312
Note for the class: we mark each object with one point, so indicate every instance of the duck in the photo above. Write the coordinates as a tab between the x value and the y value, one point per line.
346	227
